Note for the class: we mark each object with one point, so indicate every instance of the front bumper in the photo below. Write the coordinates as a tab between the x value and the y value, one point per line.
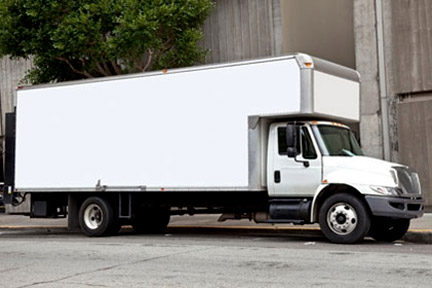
395	207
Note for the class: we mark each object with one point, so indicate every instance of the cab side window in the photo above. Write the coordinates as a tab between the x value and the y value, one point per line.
307	149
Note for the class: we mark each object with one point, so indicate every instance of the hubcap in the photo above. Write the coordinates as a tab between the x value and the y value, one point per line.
342	218
93	216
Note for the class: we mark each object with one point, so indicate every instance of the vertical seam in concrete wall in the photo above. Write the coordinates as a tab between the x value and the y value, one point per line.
257	14
250	28
242	36
277	26
238	43
226	29
382	79
246	31
271	27
429	26
427	43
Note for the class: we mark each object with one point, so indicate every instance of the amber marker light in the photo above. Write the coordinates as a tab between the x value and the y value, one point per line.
308	64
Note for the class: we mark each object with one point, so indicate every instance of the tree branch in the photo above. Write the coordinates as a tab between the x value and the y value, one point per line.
107	69
116	67
149	60
84	73
167	45
102	70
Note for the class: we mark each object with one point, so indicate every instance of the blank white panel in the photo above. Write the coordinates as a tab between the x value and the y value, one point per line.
184	129
336	96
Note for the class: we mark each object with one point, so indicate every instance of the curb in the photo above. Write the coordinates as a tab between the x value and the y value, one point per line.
249	230
418	236
25	227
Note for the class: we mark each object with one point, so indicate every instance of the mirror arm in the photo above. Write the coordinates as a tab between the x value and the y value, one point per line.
306	164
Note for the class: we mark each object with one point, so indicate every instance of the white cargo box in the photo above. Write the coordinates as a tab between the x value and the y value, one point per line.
183	129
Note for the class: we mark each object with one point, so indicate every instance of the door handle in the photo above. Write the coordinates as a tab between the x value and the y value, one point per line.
277	176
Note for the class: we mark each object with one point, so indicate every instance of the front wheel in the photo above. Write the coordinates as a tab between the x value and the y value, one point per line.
387	229
344	219
96	217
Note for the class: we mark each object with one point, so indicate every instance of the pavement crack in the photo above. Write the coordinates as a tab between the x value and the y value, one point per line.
110	268
9	270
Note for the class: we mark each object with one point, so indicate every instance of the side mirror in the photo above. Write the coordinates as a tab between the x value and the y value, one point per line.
291	140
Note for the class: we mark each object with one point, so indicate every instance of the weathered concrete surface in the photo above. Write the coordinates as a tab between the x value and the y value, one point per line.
323	29
241	29
207	260
367	64
11	73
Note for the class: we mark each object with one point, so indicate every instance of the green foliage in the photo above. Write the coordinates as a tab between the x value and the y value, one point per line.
94	38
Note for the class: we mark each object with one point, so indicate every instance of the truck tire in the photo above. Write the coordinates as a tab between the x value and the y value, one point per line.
96	217
388	229
344	219
151	221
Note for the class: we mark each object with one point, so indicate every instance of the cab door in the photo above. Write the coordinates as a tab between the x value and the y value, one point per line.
297	176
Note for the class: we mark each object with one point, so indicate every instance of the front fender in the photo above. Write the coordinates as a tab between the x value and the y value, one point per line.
326	189
314	208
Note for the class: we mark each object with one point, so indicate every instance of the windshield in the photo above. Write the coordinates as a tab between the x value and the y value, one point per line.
336	141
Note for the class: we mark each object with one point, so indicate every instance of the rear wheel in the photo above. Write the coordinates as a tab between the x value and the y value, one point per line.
151	220
387	229
344	219
96	217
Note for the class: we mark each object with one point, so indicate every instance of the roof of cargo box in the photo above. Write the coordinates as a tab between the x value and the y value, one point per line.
304	61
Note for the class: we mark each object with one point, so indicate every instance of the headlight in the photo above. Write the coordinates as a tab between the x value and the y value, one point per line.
387	190
416	183
393	173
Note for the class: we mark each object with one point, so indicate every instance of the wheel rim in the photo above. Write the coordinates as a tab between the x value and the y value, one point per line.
93	216
342	218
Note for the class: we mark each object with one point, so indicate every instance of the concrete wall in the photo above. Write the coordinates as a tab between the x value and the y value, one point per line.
409	68
411	45
242	29
366	55
415	139
321	28
11	73
245	29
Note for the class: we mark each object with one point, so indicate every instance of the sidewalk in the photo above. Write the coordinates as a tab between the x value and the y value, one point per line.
420	230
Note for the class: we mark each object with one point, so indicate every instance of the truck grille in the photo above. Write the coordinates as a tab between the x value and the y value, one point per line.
408	181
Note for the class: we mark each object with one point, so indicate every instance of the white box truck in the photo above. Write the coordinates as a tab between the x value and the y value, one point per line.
259	139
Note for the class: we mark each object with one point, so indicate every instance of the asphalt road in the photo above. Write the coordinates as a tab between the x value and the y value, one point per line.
420	231
56	258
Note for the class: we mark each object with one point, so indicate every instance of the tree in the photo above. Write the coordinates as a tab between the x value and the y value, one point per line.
94	38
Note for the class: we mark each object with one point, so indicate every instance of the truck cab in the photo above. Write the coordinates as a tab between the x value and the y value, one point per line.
321	163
